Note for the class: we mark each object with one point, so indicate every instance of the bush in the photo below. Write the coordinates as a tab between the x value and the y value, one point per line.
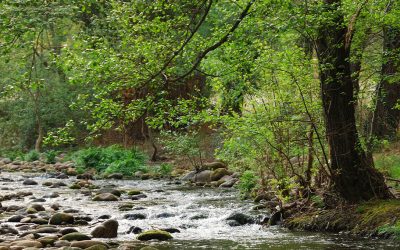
164	169
32	155
248	182
111	159
126	167
12	154
184	144
50	156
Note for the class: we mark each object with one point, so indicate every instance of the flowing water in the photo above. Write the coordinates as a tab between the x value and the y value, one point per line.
199	214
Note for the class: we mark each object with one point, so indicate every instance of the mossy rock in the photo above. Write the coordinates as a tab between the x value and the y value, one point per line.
134	192
75	237
105	197
154	235
97	247
219	173
75	186
61	219
31	210
86	244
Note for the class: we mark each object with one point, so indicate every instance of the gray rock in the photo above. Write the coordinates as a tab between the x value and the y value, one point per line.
29	182
203	176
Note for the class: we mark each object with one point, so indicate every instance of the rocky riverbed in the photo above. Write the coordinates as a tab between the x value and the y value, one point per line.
43	207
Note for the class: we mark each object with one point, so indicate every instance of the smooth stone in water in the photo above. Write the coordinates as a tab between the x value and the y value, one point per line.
105	197
109	229
154	235
75	237
135	216
61	219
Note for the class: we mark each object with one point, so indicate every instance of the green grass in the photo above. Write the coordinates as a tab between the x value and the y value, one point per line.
389	165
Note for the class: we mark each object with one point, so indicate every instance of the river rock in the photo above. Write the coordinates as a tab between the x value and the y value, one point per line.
115	176
68	230
165	215
105	197
85	244
37	207
47	230
6	229
134	230
75	237
240	219
29	182
203	176
47	240
189	176
110	191
109	229
135	216
133	192
39	221
154	235
61	219
214	165
97	247
15	218
218	174
228	183
27	243
171	230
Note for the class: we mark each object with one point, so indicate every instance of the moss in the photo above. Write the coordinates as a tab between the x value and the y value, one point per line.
378	217
154	235
390	230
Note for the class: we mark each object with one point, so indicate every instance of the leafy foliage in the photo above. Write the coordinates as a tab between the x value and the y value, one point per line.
110	160
32	155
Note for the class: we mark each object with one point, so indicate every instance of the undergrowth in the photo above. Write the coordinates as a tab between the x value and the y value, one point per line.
112	159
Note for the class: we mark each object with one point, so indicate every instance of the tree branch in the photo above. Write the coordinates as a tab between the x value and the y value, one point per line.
224	39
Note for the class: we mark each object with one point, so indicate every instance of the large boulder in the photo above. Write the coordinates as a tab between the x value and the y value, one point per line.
219	173
203	176
154	235
189	176
61	219
214	165
105	197
109	229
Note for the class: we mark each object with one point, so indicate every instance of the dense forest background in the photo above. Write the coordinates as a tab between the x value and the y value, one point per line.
298	94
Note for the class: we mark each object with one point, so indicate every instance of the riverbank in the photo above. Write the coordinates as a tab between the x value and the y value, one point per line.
379	218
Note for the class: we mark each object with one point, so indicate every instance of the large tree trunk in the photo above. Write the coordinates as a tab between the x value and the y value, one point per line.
353	177
386	119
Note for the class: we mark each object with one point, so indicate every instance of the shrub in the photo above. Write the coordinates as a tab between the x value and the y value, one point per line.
165	169
248	182
50	156
32	155
111	159
12	154
184	144
126	167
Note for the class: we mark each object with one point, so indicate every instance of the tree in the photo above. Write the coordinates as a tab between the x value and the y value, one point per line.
353	176
386	118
